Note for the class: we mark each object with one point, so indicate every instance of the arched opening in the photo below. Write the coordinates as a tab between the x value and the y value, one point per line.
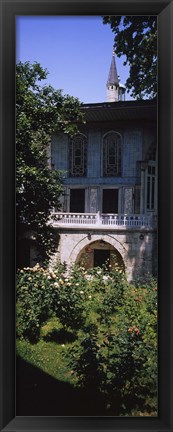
100	253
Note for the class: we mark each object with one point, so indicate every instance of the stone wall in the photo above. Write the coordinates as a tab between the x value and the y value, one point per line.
137	251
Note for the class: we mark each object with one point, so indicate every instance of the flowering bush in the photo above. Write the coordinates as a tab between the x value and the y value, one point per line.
41	293
131	357
70	308
122	352
37	295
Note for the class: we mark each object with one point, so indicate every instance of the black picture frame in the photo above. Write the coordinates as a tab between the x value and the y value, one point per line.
8	11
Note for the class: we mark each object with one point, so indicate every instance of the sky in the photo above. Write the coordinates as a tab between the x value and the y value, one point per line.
76	50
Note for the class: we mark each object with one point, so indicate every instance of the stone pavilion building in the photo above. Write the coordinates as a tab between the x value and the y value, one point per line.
109	205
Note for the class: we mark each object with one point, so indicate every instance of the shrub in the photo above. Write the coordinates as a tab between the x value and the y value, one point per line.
36	296
73	294
123	351
88	366
42	292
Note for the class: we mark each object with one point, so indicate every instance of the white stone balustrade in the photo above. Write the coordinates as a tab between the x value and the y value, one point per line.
101	220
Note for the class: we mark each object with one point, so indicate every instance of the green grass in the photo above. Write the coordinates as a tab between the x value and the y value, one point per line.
48	354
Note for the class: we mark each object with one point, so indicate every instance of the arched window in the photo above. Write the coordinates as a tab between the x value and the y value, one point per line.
78	156
111	154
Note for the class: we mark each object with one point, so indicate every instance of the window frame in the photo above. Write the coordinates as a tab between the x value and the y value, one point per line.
73	172
105	167
151	187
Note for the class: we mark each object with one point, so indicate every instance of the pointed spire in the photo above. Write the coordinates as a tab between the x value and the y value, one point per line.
113	76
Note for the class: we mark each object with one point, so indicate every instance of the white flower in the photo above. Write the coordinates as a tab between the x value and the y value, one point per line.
81	292
53	275
89	296
88	277
56	284
61	281
77	284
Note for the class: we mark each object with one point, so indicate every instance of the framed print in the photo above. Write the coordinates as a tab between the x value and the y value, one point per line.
63	364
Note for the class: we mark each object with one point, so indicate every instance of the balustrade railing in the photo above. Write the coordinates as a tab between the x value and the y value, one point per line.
101	219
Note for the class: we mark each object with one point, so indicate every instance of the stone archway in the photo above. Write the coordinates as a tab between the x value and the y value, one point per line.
103	242
71	247
84	241
98	253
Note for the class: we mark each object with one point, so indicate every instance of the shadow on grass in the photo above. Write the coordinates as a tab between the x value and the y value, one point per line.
39	394
60	336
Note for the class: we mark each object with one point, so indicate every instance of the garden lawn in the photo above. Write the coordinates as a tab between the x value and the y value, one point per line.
48	356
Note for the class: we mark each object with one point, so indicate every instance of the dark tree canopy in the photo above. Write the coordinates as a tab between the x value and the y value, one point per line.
40	110
136	38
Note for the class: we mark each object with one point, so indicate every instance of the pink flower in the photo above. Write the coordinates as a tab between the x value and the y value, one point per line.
134	329
89	250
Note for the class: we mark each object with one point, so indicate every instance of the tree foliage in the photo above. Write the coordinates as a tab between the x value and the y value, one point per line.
136	38
40	111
